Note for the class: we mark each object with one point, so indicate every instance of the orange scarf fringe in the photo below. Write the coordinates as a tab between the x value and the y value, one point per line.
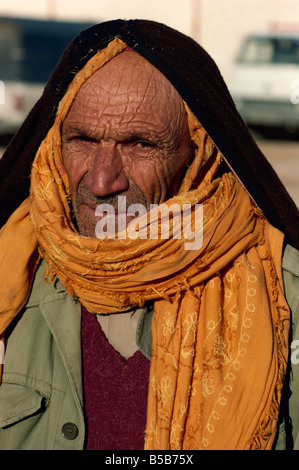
220	327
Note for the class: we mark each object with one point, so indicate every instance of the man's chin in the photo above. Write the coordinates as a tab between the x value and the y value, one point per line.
86	231
86	224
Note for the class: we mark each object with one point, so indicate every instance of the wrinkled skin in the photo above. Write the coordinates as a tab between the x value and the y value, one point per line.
125	134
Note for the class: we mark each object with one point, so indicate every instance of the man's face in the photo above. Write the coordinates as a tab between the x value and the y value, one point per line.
126	134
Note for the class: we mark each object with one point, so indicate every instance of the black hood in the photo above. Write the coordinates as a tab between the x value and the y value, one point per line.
197	79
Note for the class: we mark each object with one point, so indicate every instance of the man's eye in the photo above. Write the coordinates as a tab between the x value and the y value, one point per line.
80	139
144	144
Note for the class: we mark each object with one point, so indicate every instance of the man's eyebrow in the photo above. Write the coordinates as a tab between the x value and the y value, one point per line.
74	130
128	135
142	135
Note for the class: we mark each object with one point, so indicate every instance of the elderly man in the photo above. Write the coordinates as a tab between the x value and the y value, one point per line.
116	335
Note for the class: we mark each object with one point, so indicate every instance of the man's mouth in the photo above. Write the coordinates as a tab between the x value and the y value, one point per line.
90	205
101	210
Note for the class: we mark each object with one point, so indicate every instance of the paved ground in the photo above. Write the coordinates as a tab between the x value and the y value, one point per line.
284	158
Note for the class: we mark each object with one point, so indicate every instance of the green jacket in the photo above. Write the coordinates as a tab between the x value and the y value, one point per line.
41	397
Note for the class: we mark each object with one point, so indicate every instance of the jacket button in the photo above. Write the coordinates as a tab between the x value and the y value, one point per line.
69	431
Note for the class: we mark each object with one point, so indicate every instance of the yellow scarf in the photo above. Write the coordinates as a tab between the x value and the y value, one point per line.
221	321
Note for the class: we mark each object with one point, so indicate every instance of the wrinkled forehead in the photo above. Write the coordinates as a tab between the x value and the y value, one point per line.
131	71
129	85
114	52
114	66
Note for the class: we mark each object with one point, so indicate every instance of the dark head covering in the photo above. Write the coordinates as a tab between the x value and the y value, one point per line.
197	79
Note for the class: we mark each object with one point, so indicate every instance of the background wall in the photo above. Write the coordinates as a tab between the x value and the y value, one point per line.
218	25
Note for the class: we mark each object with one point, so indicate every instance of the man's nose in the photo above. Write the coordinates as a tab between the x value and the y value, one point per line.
106	175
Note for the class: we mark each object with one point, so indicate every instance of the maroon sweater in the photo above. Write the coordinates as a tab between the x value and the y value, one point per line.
115	391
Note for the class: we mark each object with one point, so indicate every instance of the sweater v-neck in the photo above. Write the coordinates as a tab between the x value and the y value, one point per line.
115	391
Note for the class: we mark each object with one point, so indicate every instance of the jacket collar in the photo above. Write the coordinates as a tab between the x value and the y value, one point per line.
62	313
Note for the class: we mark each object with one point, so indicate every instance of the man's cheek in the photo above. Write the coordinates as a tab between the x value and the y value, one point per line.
75	172
61	168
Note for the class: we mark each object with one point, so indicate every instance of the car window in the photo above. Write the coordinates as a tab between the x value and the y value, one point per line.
266	50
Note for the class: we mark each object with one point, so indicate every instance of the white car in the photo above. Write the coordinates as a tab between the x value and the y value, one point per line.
265	81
